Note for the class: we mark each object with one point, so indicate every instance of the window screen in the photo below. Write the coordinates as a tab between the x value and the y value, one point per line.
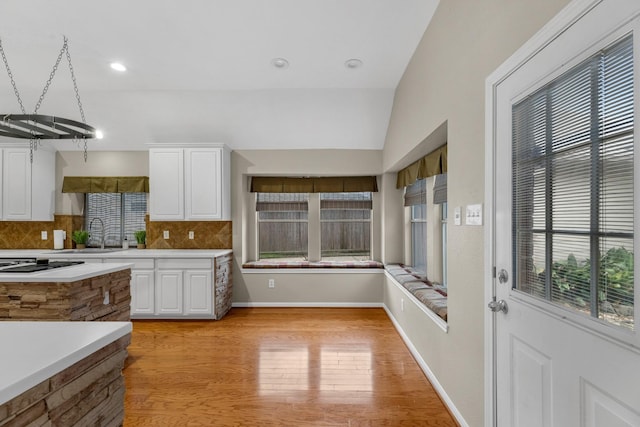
121	214
282	225
573	188
345	226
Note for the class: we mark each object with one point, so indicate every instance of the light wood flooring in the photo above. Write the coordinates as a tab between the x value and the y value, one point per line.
277	367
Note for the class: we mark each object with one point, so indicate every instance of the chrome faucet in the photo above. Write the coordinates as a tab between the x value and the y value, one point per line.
102	226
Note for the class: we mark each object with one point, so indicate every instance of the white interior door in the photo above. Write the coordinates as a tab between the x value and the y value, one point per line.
560	358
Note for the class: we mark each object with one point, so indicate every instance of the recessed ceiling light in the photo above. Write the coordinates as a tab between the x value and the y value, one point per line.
280	63
99	134
353	63
118	66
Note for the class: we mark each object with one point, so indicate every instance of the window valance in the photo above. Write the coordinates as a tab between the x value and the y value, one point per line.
434	163
350	184
105	184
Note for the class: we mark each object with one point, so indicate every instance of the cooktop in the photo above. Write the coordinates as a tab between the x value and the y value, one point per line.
32	265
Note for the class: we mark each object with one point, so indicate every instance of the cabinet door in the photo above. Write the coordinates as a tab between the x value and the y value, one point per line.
142	292
16	184
169	292
203	183
166	184
198	292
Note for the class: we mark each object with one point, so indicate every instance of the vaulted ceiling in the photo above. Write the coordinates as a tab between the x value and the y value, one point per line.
202	70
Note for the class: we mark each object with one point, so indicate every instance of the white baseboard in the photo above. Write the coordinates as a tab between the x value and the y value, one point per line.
427	371
310	304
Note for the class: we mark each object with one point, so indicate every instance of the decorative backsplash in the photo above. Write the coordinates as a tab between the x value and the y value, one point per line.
28	234
207	234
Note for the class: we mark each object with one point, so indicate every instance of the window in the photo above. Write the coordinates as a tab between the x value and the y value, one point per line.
419	237
283	225
415	197
443	241
573	214
120	213
345	226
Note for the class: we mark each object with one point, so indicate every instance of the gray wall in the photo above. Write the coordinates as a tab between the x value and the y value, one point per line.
444	83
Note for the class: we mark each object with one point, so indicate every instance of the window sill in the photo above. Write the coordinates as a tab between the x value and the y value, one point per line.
432	297
309	264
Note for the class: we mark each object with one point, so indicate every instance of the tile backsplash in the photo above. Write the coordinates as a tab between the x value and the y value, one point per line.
206	234
28	234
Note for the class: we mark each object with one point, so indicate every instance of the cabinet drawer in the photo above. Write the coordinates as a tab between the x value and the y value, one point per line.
185	263
138	263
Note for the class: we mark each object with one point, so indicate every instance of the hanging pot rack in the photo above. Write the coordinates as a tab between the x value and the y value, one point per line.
37	127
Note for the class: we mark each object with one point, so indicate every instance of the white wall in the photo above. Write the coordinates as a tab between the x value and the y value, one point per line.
444	83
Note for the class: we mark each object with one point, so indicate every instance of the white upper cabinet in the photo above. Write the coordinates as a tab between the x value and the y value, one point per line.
191	183
166	184
28	189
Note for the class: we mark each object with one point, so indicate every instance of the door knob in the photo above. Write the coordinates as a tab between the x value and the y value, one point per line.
497	306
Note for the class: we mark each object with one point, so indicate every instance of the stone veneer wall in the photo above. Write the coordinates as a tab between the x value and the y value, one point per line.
88	393
82	300
27	234
223	285
207	234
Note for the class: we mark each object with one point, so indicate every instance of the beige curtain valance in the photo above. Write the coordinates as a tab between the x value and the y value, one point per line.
348	184
434	163
105	184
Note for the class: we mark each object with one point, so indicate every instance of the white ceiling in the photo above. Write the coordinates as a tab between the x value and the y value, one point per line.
200	70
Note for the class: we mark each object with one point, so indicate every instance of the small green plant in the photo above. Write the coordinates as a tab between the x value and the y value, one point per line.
81	237
141	236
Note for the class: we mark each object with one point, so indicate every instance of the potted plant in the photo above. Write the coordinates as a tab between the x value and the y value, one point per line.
141	238
81	237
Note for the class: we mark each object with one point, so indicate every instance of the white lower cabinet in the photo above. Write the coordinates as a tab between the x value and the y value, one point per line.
142	292
198	292
171	288
184	288
169	292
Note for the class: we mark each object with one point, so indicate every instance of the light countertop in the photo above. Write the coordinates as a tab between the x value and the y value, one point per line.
34	351
65	274
114	253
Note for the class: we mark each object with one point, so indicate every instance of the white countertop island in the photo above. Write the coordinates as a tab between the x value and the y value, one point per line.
64	274
35	351
63	373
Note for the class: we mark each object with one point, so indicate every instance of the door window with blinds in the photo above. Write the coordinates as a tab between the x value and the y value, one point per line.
573	199
121	213
345	226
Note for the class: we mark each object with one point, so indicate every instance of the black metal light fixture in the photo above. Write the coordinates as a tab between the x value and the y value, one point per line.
36	127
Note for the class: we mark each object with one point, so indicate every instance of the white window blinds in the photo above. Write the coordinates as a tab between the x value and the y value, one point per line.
573	188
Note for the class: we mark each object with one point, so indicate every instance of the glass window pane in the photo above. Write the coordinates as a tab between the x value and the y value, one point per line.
345	226
419	237
283	226
573	180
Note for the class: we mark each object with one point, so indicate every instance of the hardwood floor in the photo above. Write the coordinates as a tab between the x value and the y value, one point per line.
277	367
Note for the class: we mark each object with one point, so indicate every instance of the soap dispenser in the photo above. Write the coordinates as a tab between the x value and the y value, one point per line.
125	243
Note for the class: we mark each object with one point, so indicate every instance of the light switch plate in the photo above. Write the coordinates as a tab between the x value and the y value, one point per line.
191	235
474	214
165	234
457	216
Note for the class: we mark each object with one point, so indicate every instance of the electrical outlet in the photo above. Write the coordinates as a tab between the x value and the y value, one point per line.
43	235
272	283
191	235
165	234
106	298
